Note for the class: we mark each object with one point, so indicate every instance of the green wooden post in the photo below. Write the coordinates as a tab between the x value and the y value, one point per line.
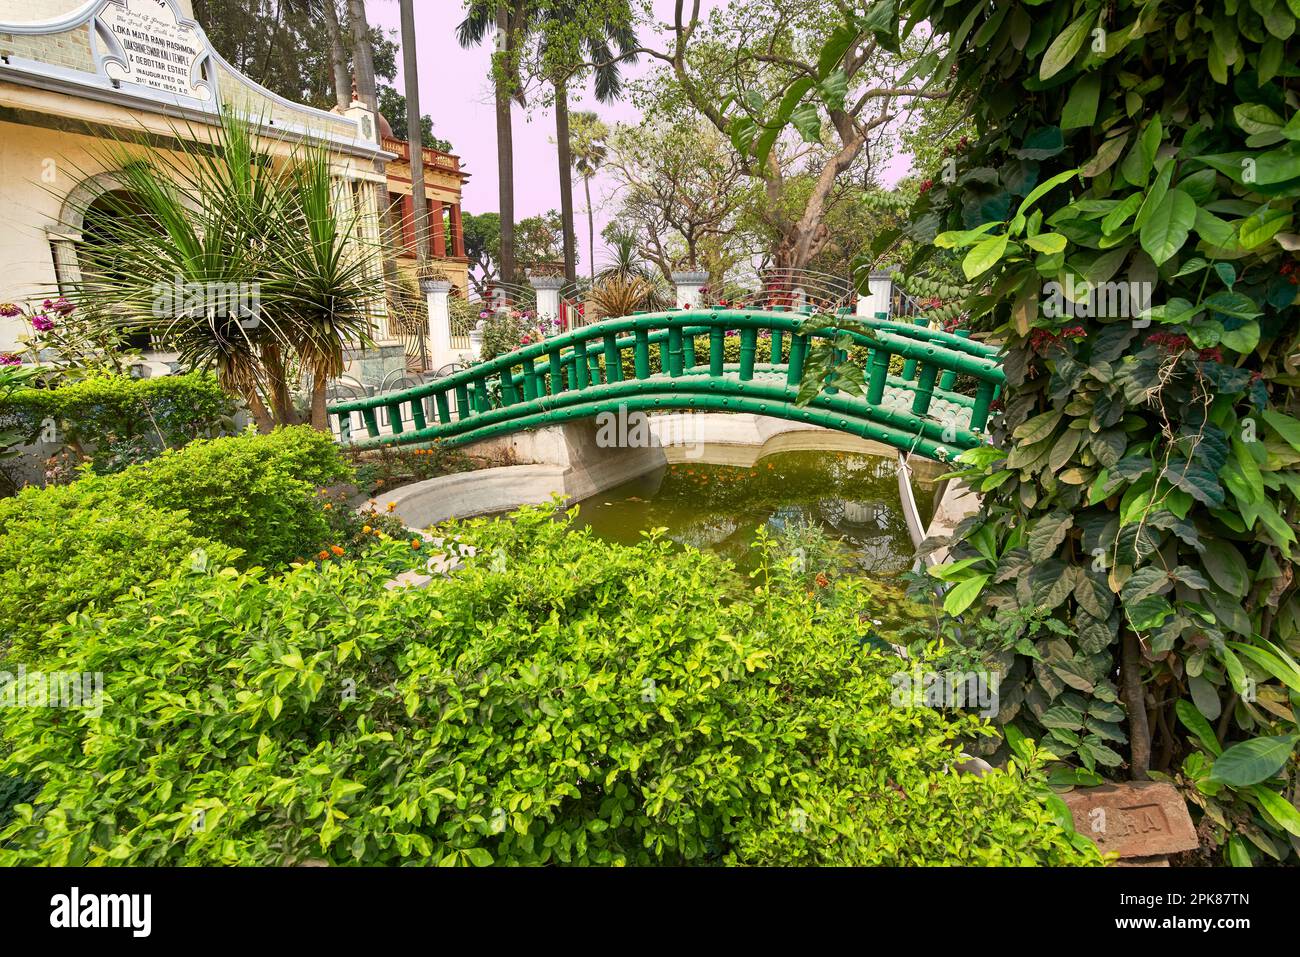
688	351
593	366
480	392
444	413
924	388
508	393
798	349
557	373
345	427
613	360
417	414
748	347
675	351
580	364
463	409
717	353
372	425
641	353
777	345
530	381
394	410
949	378
876	378
909	367
979	413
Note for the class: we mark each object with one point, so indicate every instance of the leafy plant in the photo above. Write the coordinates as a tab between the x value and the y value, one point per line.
557	701
77	548
100	415
1132	240
257	493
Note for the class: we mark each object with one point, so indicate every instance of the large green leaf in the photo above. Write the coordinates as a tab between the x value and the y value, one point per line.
1253	761
984	256
1067	43
1166	231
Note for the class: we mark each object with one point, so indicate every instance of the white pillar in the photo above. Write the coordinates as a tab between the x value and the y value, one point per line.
688	286
476	340
437	293
548	295
879	296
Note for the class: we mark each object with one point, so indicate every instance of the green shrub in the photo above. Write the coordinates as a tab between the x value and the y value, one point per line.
254	492
119	420
559	700
77	547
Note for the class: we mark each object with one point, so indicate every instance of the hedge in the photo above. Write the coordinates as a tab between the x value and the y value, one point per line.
560	700
118	420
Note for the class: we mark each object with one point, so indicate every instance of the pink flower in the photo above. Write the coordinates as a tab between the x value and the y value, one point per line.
8	309
9	359
42	322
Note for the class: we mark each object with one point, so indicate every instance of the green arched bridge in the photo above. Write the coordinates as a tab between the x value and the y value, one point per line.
581	374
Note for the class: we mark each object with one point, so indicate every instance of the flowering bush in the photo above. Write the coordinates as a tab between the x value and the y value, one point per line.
68	341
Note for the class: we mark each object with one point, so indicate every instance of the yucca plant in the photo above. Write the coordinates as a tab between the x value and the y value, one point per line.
619	295
217	215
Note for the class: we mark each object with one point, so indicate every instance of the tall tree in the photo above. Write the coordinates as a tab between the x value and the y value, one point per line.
733	69
415	141
575	38
338	54
589	142
510	18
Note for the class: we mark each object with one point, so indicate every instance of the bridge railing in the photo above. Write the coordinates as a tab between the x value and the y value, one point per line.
561	377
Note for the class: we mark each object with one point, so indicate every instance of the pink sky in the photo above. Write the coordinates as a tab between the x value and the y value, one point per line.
455	92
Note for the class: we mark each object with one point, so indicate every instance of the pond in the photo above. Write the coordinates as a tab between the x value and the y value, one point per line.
849	495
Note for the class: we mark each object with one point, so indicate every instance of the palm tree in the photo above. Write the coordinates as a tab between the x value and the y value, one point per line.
510	18
562	61
589	141
226	215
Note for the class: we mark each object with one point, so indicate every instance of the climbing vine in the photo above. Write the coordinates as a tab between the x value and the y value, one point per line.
1126	220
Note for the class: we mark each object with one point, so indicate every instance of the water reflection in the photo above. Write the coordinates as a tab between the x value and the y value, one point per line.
719	507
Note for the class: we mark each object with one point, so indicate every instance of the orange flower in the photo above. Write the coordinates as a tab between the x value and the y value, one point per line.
365	529
391	506
328	505
415	543
336	550
822	580
323	556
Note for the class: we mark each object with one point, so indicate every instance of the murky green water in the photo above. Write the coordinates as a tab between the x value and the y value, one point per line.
851	496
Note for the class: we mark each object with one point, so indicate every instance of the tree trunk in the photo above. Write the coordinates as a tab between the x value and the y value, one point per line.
1139	731
565	151
319	416
363	62
415	138
505	155
257	409
591	230
338	56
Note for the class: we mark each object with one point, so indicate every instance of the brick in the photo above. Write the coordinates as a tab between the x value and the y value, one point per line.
1139	819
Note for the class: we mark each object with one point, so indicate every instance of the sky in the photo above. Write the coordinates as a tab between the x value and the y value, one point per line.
455	92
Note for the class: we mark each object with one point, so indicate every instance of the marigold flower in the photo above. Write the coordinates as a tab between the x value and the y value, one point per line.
324	556
365	529
390	506
415	543
336	549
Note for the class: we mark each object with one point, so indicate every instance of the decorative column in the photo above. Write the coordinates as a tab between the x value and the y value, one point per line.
880	295
476	340
689	285
548	295
437	294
